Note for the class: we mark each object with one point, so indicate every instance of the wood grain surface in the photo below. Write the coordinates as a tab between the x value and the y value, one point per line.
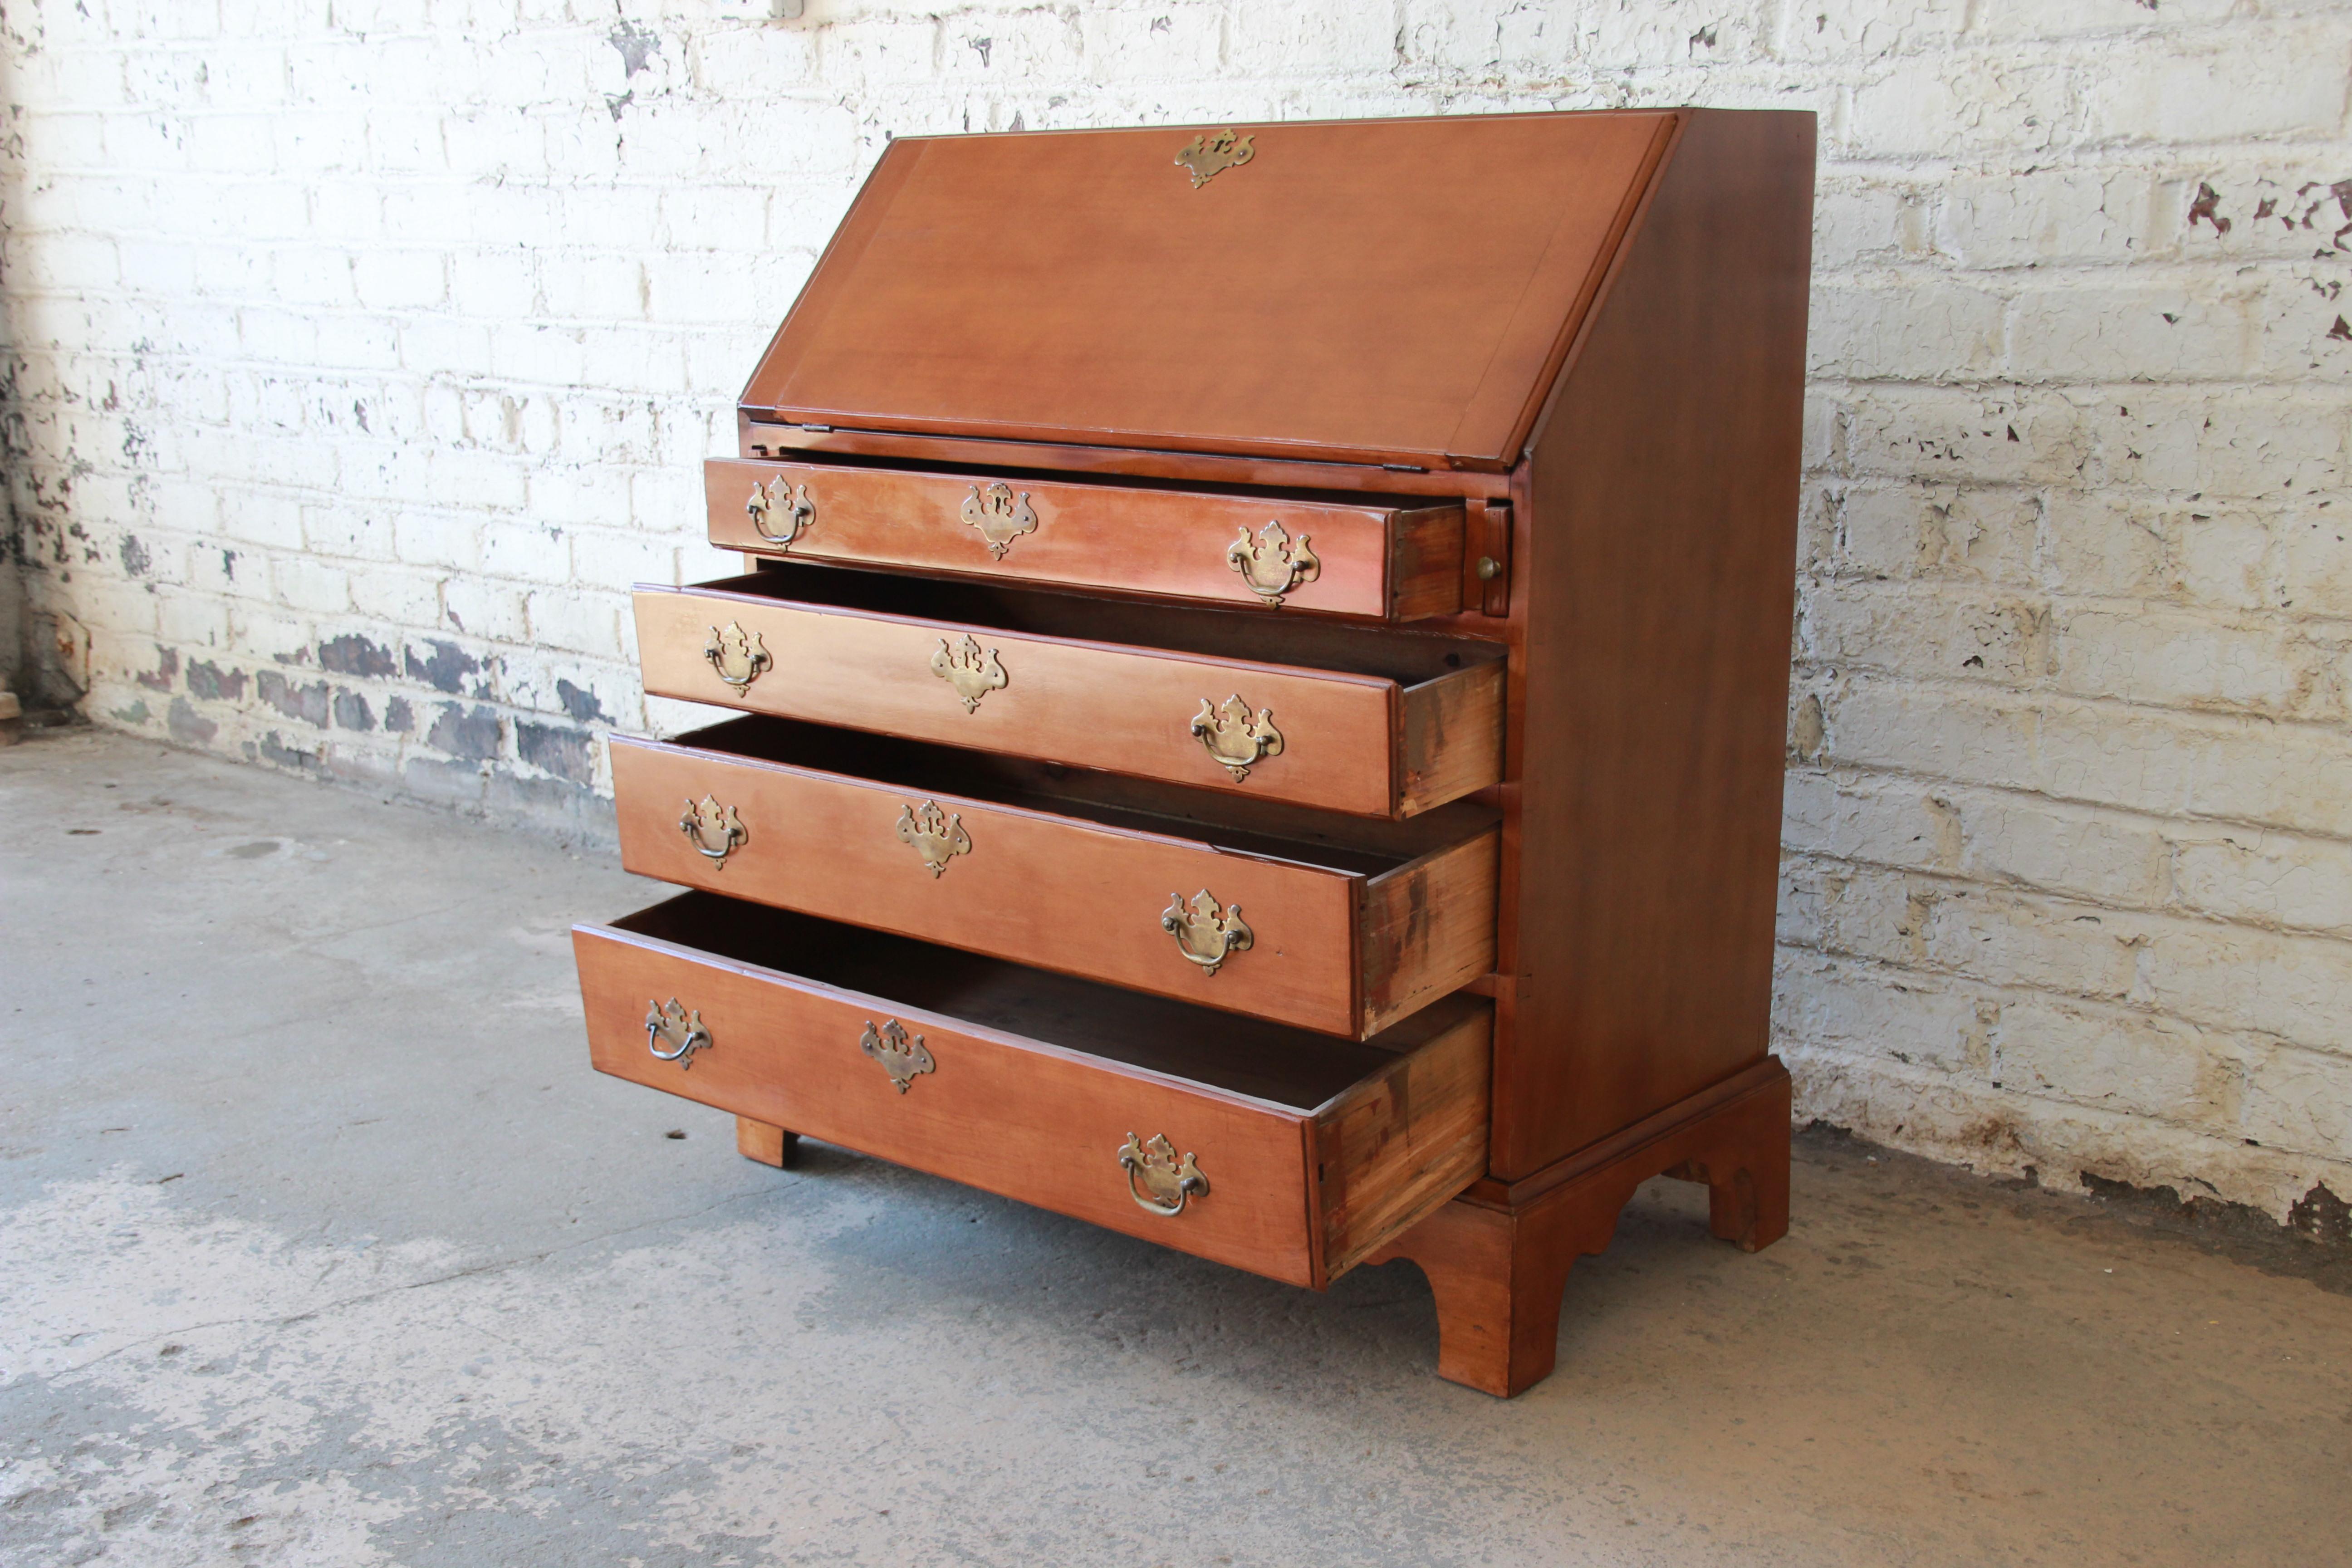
1658	579
1319	300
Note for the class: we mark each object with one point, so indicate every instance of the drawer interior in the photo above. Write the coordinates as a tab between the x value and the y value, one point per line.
1238	1053
1407	658
1367	845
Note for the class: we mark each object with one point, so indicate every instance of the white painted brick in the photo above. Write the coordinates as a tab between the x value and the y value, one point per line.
437	539
1867	30
1981	533
395	596
2268	878
523	552
2256	444
2037	21
480	608
2100	857
2113	1059
1154	44
399	279
1927	632
2249	80
578	620
1906	328
192	622
306	583
1920	1022
2097	545
2180	659
2298	988
2151	332
1957	103
2300	1101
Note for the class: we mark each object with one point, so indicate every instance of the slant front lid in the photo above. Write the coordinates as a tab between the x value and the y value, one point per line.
1396	290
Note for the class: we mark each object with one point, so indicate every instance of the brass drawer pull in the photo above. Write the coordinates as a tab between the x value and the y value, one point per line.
1000	519
799	510
1271	564
708	822
900	1054
935	835
1157	1179
1201	933
972	670
1237	741
739	657
680	1027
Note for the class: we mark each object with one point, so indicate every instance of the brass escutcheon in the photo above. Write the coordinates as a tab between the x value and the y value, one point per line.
1238	742
972	670
1271	564
1201	933
1000	519
778	494
1157	1181
935	835
1211	154
737	657
708	822
902	1055
680	1027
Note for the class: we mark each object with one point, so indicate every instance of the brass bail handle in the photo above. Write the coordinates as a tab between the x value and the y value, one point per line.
1206	933
680	1027
779	495
1271	564
1232	737
1157	1179
707	821
737	657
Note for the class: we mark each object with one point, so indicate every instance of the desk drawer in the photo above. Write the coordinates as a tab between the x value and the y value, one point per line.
1335	924
1397	562
1378	724
1312	1151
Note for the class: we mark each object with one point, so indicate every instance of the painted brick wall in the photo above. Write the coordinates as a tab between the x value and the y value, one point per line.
359	355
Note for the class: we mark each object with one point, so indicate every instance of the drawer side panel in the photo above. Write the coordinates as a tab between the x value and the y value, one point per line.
1395	1148
1452	740
1428	928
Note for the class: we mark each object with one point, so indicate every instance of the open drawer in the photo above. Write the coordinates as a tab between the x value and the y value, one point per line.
1291	1154
1338	924
1374	722
1393	561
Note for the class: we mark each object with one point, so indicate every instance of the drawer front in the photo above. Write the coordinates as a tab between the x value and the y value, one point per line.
1393	563
1052	891
996	1111
1096	705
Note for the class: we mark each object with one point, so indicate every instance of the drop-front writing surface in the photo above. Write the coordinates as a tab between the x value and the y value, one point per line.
1389	291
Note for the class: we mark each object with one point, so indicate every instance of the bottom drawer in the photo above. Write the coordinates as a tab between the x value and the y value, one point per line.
1288	1154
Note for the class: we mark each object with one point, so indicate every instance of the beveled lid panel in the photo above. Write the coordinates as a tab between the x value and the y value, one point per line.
1392	291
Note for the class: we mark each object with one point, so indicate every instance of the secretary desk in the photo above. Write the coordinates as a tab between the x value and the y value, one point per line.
1264	662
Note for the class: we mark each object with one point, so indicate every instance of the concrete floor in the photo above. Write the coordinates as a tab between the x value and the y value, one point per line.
320	1243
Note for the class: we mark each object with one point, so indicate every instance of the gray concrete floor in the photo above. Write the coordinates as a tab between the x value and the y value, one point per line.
320	1243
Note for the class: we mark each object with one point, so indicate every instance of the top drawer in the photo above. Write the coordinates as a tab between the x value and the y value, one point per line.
1392	562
